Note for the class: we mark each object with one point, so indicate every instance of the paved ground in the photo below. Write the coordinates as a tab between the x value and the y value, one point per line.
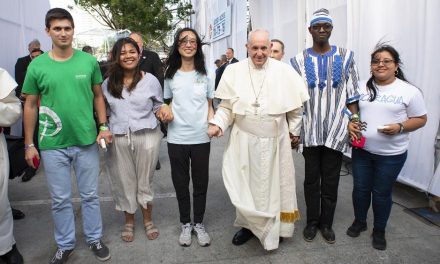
410	239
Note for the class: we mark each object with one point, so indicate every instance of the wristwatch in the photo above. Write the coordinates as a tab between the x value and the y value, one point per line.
401	128
26	146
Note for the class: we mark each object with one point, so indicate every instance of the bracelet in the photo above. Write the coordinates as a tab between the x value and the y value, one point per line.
355	118
401	128
26	147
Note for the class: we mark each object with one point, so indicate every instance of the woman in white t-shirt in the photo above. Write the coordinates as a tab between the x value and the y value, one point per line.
390	108
189	91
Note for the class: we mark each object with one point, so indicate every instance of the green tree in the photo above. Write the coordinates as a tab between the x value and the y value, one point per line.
152	18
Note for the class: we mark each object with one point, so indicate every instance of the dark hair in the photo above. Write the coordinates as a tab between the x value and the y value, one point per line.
58	13
230	49
174	61
279	41
37	50
87	49
380	47
116	73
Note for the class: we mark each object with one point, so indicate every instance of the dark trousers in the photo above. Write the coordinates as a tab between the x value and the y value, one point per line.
181	158
322	170
373	180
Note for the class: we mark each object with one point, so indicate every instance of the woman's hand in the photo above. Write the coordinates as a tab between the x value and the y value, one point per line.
390	129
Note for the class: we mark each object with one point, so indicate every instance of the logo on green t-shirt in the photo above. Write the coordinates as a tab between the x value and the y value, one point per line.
50	122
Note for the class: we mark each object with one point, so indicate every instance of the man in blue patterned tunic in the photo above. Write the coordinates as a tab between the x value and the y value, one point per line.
332	79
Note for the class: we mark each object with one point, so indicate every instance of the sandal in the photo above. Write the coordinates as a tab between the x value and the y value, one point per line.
151	231
128	233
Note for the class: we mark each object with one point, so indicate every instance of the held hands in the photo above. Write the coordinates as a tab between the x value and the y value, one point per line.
165	114
214	131
106	135
294	141
354	129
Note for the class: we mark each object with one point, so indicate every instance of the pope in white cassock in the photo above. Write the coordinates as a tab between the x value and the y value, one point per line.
262	100
10	112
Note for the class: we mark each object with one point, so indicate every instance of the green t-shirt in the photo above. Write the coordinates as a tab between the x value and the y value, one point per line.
66	102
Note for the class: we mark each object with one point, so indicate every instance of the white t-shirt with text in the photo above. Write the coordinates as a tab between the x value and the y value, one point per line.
394	103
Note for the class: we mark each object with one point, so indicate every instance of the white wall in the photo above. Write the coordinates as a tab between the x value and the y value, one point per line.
21	21
205	11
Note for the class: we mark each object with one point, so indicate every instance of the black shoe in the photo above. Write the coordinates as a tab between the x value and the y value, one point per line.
28	174
379	241
309	232
100	250
328	234
158	165
242	236
13	256
61	256
17	214
356	228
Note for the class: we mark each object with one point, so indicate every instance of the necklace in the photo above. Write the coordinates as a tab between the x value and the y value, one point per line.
256	104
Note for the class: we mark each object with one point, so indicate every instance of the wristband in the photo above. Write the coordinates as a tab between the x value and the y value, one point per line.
26	147
103	126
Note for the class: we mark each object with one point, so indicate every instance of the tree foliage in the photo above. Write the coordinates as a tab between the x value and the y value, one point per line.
152	18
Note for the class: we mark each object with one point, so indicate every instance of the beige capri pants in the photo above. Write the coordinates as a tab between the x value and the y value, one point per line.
131	163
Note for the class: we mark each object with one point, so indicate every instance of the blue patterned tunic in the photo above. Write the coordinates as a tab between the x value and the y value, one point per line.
332	80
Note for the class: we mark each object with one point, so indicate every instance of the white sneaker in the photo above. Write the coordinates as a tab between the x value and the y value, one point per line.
185	236
202	236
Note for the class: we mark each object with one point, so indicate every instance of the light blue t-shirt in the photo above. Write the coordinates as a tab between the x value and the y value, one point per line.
189	92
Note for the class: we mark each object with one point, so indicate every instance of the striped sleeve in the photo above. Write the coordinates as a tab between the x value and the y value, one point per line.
352	75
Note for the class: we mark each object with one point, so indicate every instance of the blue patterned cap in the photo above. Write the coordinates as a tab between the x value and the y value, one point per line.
321	16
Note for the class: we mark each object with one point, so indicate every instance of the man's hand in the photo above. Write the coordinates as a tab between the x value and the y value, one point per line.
165	114
29	155
294	141
214	131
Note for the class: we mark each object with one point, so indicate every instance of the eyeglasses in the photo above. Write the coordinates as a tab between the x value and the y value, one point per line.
386	62
184	42
325	26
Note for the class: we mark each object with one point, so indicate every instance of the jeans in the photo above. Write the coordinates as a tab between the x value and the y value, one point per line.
57	165
373	179
321	182
181	156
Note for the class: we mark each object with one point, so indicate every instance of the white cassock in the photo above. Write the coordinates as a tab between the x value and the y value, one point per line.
10	112
263	106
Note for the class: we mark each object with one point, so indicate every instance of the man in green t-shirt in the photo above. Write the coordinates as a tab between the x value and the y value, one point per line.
67	83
